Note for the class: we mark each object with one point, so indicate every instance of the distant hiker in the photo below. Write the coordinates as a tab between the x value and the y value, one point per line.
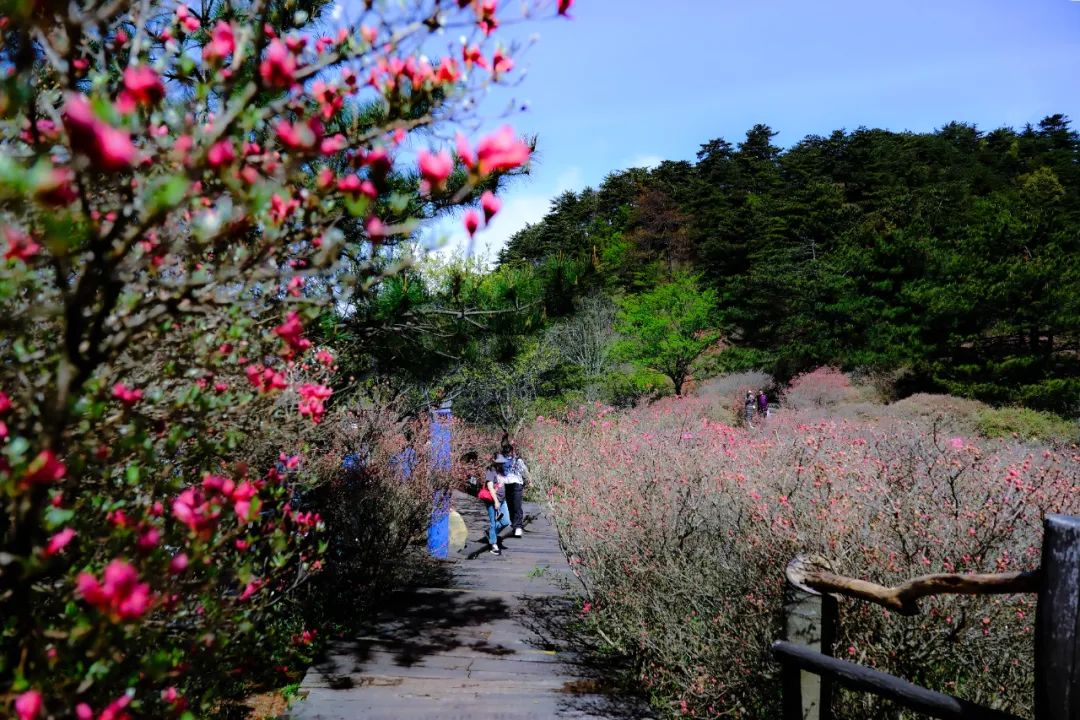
492	493
762	404
516	473
749	406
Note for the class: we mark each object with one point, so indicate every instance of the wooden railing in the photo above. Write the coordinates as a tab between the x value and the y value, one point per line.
809	670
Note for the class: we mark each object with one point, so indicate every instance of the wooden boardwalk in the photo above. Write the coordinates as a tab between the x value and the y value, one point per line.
476	645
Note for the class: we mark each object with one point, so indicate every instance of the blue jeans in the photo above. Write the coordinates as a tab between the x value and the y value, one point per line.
496	521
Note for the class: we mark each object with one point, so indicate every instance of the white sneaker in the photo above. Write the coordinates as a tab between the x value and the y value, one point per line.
496	551
517	532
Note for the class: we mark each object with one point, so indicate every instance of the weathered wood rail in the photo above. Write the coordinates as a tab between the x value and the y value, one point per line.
809	670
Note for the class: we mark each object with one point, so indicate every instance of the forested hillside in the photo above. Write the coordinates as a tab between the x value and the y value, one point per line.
947	261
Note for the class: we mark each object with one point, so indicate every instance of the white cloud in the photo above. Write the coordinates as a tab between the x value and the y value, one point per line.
518	210
644	161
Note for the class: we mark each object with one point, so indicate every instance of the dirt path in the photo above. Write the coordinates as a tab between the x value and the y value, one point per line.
477	645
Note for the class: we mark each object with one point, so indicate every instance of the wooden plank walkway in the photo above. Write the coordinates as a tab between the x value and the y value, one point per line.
472	647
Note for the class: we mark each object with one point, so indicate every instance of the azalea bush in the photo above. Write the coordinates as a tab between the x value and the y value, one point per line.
680	527
183	191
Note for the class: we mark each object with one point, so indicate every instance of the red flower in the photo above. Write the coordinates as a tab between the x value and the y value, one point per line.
120	595
564	6
281	208
312	397
324	357
5	403
291	331
265	379
59	541
126	395
485	11
435	169
106	147
334	144
448	71
251	589
221	153
471	55
222	42
56	188
501	150
490	204
278	68
142	86
472	222
20	245
45	468
242	498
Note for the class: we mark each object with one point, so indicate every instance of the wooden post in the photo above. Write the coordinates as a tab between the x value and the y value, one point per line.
1057	622
809	620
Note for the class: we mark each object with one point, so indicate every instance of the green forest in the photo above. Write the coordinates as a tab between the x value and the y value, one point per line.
931	262
947	261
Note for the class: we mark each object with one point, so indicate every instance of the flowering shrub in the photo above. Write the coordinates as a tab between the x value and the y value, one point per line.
680	528
823	387
181	191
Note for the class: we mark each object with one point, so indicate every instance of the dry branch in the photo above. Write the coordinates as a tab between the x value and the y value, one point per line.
812	573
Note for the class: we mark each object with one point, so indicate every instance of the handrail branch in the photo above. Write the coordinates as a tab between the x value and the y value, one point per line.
813	574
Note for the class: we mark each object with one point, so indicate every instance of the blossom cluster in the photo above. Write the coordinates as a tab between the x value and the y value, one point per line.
670	501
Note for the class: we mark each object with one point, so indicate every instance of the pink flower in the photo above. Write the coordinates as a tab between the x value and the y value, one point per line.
435	169
149	539
353	185
195	511
501	150
376	229
334	144
45	468
178	564
84	712
106	147
59	541
5	403
221	153
291	331
20	245
472	222
120	595
300	136
485	16
115	709
501	62
142	86
324	357
281	208
28	705
957	443
251	589
312	397
222	42
564	7
278	68
187	21
242	498
491	205
126	395
369	34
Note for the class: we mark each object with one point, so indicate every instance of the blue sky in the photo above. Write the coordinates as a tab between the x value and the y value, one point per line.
629	82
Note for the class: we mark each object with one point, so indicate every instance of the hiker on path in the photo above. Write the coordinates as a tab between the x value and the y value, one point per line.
762	404
516	474
492	493
749	406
